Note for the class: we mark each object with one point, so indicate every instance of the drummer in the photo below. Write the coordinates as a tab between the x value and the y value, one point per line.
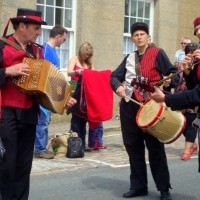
150	62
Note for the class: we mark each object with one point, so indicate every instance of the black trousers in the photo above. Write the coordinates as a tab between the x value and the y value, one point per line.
78	125
18	139
190	133
135	140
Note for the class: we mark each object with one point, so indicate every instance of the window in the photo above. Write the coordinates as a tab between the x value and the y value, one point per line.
136	11
59	12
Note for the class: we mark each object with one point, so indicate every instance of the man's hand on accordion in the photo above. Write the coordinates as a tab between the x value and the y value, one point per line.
17	70
71	102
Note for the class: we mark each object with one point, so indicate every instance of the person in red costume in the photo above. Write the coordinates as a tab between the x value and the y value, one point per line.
19	110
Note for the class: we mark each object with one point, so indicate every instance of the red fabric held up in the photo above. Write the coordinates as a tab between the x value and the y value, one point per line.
98	96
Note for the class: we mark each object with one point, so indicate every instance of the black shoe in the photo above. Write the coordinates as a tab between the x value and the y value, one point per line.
88	149
165	195
135	193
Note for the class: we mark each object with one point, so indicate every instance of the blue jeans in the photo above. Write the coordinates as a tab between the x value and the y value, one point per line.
41	138
96	134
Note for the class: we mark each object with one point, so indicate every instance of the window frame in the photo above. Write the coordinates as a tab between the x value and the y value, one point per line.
71	38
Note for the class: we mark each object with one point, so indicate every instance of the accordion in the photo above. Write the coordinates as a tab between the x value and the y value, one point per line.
47	83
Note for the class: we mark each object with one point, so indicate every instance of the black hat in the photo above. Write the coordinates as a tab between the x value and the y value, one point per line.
139	26
28	16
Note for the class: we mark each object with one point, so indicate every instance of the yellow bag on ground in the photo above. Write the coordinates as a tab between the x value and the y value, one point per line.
59	143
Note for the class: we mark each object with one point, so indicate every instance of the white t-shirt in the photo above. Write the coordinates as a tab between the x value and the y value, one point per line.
180	55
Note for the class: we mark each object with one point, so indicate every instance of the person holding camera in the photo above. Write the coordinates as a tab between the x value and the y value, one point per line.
189	98
189	132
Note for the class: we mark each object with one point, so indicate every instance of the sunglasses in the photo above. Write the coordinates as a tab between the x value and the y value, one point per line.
183	43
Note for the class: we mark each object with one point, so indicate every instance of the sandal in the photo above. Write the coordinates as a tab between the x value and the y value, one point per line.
103	146
185	156
193	149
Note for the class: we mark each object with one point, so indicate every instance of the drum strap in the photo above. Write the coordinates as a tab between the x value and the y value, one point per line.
139	73
137	65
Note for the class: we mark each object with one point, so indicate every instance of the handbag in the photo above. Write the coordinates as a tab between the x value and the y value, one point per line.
75	147
2	150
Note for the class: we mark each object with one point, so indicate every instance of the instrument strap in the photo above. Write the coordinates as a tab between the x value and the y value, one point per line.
16	46
137	65
139	73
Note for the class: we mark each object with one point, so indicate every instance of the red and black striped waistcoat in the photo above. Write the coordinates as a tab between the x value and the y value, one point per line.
148	70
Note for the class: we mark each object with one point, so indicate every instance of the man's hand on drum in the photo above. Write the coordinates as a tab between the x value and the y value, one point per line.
158	95
17	70
121	91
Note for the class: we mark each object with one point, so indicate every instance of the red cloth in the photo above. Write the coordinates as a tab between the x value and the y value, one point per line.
98	96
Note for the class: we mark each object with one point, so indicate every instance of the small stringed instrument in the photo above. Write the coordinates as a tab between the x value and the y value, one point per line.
142	84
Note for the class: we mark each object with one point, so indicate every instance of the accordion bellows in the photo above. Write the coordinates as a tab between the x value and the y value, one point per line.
48	83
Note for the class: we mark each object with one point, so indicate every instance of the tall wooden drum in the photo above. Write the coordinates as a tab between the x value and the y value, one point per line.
160	121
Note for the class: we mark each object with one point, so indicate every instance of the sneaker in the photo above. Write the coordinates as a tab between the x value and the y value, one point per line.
50	152
88	149
44	155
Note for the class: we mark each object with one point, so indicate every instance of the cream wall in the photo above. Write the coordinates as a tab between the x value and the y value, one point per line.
165	25
172	21
8	9
188	11
101	23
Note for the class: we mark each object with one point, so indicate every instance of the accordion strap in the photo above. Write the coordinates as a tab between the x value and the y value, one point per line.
16	46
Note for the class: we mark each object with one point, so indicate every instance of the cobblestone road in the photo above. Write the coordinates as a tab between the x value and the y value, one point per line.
114	156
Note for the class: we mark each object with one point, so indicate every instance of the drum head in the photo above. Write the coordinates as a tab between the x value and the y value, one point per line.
149	113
